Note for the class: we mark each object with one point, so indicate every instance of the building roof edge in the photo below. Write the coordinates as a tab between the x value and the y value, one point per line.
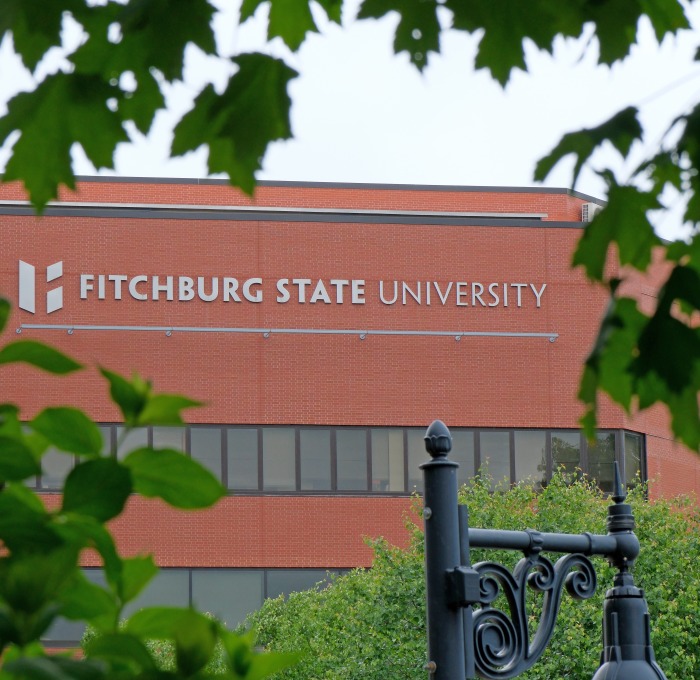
343	185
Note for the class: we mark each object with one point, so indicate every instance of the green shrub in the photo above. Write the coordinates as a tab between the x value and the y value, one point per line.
371	623
163	651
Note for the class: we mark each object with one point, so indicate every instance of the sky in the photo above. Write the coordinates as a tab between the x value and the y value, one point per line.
362	114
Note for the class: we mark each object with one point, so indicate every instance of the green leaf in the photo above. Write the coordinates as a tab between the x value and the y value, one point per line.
137	572
156	33
70	430
130	397
16	460
24	495
685	421
8	632
31	582
195	639
122	648
621	131
9	421
607	366
35	26
153	36
55	668
418	30
39	355
5	309
238	125
41	157
666	17
164	409
662	332
157	623
87	532
82	600
624	222
507	24
142	105
246	663
333	9
174	477
290	20
98	488
23	528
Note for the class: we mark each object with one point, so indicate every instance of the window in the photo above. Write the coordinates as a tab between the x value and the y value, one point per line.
361	460
127	441
168	587
351	459
205	447
633	458
566	451
315	459
601	457
55	466
169	438
416	456
229	594
531	456
463	453
242	458
279	468
494	450
387	460
287	581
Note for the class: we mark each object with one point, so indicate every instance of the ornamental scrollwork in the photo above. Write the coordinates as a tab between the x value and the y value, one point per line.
503	647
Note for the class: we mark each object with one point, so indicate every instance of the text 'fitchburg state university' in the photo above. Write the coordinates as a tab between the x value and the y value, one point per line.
144	287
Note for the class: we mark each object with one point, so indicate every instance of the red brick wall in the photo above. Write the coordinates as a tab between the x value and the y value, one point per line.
319	379
262	531
480	381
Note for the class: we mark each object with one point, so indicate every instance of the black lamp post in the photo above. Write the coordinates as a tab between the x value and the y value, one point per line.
486	642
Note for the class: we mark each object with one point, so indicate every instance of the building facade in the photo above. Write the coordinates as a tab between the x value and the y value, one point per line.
323	327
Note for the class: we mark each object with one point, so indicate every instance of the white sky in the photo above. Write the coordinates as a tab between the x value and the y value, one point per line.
361	114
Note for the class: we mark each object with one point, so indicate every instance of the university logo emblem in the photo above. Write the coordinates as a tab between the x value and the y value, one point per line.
27	287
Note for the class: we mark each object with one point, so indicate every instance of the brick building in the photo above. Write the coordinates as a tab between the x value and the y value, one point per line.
324	326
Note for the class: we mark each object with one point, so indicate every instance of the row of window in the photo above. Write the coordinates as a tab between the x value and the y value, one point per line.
385	460
229	594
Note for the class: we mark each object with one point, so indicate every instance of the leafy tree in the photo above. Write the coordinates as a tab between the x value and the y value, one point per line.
371	623
40	575
134	48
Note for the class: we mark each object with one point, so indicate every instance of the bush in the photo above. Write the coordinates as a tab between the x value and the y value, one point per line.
163	651
371	623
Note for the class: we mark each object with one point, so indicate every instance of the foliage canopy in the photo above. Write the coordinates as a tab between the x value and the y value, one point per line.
371	623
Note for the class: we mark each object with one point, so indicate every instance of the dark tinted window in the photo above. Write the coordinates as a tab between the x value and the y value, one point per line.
278	459
205	447
315	457
495	456
531	456
351	456
242	458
